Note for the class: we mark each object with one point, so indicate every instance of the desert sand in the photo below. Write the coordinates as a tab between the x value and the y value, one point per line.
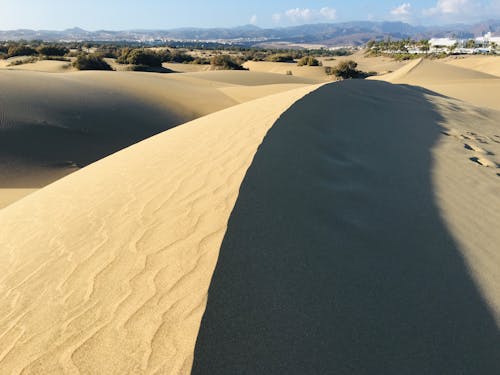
346	228
485	64
54	124
473	86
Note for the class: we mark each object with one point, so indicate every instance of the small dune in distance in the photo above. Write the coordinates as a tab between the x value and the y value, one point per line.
228	210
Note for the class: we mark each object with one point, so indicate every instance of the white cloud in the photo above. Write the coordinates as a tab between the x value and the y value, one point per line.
328	13
253	19
403	10
451	7
304	15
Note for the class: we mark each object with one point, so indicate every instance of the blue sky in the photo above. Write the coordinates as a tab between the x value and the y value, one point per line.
157	14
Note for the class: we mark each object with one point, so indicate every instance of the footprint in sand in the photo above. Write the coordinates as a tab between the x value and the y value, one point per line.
484	162
472	147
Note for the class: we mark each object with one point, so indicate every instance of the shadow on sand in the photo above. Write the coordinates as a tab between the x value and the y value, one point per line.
336	260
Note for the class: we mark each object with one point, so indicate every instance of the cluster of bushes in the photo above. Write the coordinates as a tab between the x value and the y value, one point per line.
281	57
29	60
226	62
139	57
150	58
347	70
52	50
44	51
179	56
91	62
308	61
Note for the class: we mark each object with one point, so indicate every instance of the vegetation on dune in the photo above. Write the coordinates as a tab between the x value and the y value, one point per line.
308	61
346	70
91	62
52	50
281	57
21	50
139	57
29	60
226	62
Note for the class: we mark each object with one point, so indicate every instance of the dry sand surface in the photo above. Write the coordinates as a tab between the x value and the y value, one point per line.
379	64
311	72
346	228
49	66
478	88
117	281
53	124
485	64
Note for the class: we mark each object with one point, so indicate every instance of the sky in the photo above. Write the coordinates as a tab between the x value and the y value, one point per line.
158	14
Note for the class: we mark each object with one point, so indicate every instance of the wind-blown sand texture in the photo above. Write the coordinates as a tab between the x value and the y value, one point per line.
472	86
53	124
346	228
485	64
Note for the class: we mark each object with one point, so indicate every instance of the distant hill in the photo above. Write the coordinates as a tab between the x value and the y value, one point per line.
346	33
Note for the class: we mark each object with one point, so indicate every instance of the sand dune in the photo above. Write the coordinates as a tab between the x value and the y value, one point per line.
51	125
238	77
48	66
121	271
363	241
485	64
316	73
356	226
475	87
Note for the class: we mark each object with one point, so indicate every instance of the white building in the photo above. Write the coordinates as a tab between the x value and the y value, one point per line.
442	42
488	38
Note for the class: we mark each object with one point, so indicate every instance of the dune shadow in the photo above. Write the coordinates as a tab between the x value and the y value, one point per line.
336	259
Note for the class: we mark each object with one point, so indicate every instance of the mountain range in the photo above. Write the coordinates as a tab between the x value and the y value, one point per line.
330	34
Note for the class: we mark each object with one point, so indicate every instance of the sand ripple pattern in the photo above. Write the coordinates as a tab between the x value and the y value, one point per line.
106	271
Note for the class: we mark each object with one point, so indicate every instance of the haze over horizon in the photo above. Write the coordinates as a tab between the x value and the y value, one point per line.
155	14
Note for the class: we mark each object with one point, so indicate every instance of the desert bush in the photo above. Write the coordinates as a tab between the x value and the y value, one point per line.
347	69
56	58
51	50
139	57
308	61
201	61
181	57
91	62
21	50
280	57
29	60
226	62
289	73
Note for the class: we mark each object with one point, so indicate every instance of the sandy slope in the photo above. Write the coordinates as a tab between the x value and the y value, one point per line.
359	237
48	66
363	241
472	86
53	124
116	281
310	72
379	64
485	64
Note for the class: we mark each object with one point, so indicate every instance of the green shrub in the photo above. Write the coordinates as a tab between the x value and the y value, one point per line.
49	50
91	62
281	57
21	51
56	58
200	61
308	61
29	60
139	57
346	69
181	57
226	62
